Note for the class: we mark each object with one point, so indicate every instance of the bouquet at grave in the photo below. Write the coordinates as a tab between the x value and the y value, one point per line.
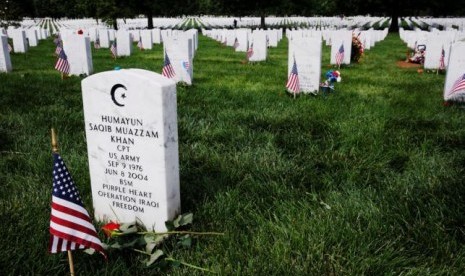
331	78
156	246
357	48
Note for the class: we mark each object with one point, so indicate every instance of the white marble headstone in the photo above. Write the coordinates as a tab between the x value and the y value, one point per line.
104	38
341	37
5	61
259	46
32	37
124	43
20	44
156	35
179	49
132	143
455	73
77	48
146	36
434	46
242	40
307	53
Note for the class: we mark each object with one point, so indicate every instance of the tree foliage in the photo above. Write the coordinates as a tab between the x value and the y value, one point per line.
112	9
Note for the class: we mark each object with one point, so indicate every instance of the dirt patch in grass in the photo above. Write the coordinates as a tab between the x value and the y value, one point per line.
404	64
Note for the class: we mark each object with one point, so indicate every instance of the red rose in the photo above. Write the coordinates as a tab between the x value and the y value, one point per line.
111	229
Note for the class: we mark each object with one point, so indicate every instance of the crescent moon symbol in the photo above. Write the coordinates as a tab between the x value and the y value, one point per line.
113	90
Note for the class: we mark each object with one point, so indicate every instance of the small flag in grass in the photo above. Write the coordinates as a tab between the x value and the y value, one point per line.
113	49
250	51
97	43
340	55
70	225
442	64
62	64
236	44
168	70
459	85
293	84
139	44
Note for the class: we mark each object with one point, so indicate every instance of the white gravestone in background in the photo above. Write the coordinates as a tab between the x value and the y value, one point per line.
5	61
455	73
339	38
307	54
259	46
112	35
77	48
32	37
124	42
132	142
104	38
179	49
156	35
242	39
146	36
20	44
433	52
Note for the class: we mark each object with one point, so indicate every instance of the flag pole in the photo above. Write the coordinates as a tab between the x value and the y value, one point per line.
55	150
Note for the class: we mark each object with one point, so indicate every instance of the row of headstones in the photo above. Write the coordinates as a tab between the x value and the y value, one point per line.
447	23
132	139
244	39
137	23
451	44
434	42
179	46
305	52
329	22
22	40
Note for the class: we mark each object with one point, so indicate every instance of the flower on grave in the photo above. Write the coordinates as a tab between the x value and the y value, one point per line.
331	78
111	229
357	48
135	237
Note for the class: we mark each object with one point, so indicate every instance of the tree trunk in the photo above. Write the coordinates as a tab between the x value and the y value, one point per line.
149	19
394	6
262	21
115	23
394	28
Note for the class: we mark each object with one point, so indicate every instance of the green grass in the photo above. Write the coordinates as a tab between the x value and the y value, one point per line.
369	180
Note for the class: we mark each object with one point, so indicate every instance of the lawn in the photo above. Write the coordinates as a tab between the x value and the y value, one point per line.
369	180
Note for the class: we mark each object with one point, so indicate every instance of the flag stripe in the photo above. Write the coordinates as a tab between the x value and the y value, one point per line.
80	240
67	206
71	231
64	216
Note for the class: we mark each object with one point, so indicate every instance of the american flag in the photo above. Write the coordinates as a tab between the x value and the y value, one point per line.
442	65
70	224
113	49
459	85
186	65
10	49
139	44
58	49
293	81
236	44
62	64
97	43
168	70
250	51
340	55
